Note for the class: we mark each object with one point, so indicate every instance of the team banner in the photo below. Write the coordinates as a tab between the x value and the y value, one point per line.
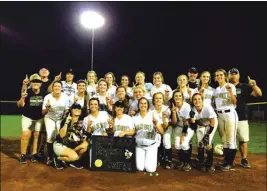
113	154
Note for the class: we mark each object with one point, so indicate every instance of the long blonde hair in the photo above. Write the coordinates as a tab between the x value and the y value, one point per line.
178	78
200	81
225	75
93	72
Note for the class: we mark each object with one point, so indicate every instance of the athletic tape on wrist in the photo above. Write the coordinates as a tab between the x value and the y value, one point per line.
210	130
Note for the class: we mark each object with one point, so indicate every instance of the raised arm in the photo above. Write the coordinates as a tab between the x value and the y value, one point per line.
21	102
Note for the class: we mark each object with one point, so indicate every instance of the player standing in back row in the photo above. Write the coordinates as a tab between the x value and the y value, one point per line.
225	101
243	92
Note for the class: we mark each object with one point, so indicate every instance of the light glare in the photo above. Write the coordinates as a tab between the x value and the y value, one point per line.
92	20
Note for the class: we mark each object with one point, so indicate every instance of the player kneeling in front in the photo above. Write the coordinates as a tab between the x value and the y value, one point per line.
183	133
71	141
148	127
205	120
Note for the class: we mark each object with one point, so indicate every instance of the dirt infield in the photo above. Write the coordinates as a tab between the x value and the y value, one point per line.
37	176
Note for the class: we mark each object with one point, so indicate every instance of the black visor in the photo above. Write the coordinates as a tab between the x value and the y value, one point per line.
119	104
76	106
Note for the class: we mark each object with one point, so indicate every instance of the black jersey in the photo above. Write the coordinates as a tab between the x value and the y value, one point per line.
33	104
243	92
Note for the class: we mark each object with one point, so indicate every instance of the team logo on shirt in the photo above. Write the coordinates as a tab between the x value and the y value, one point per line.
207	96
36	101
121	128
222	95
99	126
144	127
69	90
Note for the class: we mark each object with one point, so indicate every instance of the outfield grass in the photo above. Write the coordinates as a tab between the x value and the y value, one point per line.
11	127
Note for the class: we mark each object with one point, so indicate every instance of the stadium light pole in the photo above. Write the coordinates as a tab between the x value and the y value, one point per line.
92	20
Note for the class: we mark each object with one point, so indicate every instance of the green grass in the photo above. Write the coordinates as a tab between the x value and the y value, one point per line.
11	127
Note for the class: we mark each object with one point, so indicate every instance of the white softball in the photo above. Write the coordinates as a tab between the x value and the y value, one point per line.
218	149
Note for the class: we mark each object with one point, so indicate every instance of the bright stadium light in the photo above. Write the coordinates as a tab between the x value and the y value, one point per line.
92	20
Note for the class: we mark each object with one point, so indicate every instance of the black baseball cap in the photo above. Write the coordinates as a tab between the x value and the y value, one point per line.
69	71
233	70
76	106
193	70
119	104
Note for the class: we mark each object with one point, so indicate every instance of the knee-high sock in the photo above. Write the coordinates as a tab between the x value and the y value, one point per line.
231	156
200	154
190	150
168	153
50	150
210	157
180	155
160	151
186	156
225	154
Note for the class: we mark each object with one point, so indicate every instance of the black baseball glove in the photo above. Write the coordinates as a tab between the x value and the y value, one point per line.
191	114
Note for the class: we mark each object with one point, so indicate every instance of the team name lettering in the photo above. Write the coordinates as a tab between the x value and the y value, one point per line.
99	126
224	95
207	96
144	127
36	101
121	128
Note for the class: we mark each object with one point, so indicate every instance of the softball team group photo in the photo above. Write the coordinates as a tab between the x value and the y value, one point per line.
61	114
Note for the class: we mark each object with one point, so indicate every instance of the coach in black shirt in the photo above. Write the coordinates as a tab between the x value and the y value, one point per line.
192	78
32	119
243	92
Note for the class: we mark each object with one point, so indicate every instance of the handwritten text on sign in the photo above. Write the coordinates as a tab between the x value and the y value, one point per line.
113	154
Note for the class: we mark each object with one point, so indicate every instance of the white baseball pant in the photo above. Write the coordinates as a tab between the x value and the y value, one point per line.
227	126
167	138
146	157
52	129
201	131
187	138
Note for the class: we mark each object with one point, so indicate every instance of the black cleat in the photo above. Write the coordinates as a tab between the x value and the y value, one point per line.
23	159
41	156
179	166
34	158
57	164
226	167
169	165
244	163
187	167
49	161
76	164
211	169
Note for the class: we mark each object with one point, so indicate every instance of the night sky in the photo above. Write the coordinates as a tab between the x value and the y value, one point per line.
149	36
